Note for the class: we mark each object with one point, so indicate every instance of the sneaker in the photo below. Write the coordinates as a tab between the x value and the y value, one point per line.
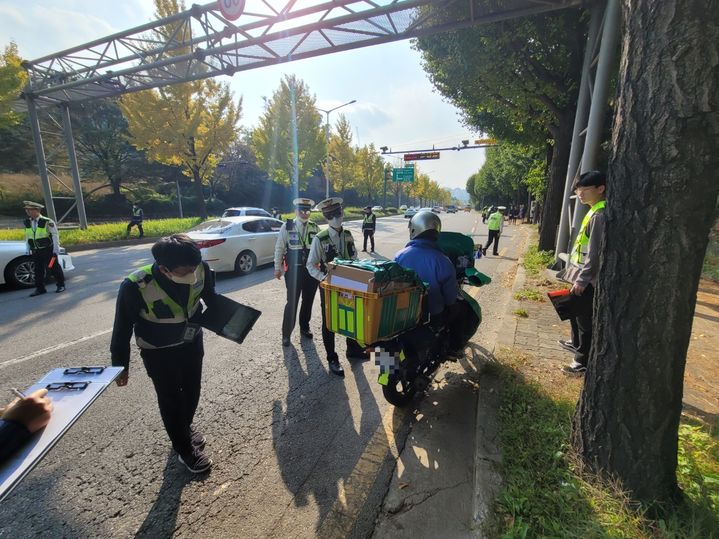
60	288
38	293
197	439
575	369
568	346
196	462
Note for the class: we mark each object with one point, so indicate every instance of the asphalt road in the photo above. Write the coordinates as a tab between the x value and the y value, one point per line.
298	452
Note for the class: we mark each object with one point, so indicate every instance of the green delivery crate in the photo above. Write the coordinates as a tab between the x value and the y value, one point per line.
368	317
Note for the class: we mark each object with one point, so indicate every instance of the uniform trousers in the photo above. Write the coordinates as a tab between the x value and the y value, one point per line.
138	224
176	373
299	282
328	337
368	233
493	237
583	306
41	258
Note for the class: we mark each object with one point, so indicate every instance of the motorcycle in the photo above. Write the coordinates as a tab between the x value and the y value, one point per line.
409	360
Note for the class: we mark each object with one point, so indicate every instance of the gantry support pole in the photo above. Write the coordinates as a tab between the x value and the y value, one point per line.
40	157
74	171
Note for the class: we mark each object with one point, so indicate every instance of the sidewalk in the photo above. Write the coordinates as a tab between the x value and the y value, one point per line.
536	336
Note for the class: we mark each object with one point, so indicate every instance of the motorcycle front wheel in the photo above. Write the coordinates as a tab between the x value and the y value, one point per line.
398	392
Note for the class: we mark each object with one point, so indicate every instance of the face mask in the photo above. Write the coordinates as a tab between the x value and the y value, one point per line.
303	218
190	278
335	222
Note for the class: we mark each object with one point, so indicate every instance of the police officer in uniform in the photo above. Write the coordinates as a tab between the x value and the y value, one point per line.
291	253
369	223
136	220
44	244
160	302
333	242
495	224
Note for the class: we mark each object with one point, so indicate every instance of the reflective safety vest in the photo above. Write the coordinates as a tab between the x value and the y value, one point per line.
329	252
162	321
298	245
369	222
137	214
494	220
40	237
580	249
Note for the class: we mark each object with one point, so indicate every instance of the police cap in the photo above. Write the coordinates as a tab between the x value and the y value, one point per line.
330	205
303	203
29	204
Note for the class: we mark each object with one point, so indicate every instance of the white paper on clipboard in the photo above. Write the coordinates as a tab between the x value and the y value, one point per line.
68	406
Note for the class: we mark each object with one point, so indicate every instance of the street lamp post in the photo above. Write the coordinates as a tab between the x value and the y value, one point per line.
327	131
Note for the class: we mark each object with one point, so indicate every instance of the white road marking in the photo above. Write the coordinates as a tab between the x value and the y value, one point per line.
52	349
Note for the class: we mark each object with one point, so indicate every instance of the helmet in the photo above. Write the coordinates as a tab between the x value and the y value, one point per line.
493	209
422	222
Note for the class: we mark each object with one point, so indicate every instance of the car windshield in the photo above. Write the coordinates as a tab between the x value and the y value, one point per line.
211	227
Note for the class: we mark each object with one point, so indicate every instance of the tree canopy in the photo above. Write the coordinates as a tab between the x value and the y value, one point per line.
12	80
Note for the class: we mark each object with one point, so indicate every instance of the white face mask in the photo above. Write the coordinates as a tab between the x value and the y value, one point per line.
302	217
335	222
190	278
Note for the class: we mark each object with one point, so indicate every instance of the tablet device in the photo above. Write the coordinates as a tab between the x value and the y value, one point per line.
229	318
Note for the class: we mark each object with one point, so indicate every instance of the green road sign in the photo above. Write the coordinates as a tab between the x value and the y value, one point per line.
405	174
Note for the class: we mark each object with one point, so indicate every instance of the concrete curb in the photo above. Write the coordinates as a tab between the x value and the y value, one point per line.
505	337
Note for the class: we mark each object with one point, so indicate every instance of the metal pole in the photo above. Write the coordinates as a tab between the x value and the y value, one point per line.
580	120
179	197
74	170
40	157
595	125
327	156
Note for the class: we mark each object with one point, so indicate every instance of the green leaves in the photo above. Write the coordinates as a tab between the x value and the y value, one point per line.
12	80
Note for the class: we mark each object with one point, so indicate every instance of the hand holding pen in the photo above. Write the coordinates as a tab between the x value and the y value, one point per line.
33	411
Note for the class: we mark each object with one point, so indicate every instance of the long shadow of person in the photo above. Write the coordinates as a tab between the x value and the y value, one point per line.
161	520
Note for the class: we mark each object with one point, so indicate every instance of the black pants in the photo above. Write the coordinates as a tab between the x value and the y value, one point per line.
135	222
298	282
582	325
368	234
493	237
176	373
328	337
41	258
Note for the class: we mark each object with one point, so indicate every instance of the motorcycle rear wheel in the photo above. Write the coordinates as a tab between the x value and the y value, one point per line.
398	392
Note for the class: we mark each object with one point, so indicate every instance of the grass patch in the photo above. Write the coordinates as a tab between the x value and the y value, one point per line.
536	261
710	270
521	313
112	231
529	294
544	496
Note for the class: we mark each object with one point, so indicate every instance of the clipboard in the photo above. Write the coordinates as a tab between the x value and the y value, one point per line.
72	390
564	302
229	318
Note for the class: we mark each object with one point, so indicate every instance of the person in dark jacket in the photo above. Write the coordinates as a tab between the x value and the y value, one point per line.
160	302
369	223
21	419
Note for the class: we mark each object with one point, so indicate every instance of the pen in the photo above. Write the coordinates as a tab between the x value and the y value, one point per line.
17	392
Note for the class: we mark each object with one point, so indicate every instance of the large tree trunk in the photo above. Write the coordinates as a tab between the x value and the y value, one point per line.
662	194
552	208
197	182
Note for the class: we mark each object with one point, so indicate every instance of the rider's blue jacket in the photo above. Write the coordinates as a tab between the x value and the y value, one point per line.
433	267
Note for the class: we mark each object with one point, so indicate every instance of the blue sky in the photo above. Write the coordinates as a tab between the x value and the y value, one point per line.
396	105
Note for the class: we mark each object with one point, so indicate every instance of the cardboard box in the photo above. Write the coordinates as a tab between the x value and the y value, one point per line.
351	278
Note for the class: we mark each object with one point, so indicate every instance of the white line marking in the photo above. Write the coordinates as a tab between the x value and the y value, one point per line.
52	349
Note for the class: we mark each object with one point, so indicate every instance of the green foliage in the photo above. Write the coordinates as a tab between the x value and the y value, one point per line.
369	172
508	169
536	261
340	166
271	141
12	80
529	294
521	313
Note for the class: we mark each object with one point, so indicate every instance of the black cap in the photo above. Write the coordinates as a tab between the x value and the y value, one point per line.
593	178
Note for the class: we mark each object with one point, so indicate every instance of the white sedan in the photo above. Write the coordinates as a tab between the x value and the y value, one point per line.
238	244
18	269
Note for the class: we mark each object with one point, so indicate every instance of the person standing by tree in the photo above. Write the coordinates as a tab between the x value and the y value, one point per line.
291	253
276	213
43	241
583	267
495	224
369	223
136	220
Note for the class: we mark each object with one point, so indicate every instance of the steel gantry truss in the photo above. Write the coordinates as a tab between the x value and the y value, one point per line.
200	43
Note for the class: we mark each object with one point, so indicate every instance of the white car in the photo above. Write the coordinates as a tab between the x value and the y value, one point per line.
403	207
377	208
238	244
245	211
18	269
409	212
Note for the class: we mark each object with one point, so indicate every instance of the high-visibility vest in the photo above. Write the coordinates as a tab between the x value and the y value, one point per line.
369	221
298	245
579	250
137	213
162	322
40	237
494	220
329	253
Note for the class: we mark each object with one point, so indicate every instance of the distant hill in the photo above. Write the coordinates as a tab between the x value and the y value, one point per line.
460	194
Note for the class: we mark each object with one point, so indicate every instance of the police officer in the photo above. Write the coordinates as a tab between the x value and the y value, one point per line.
495	224
160	302
43	242
333	242
291	253
276	213
369	222
136	220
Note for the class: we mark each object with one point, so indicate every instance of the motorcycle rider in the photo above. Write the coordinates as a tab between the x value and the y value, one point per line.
423	255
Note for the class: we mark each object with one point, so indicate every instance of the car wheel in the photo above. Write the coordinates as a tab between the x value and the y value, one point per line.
21	272
245	262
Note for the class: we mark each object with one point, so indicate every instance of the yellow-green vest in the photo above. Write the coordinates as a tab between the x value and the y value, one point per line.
369	221
162	322
298	245
328	251
40	237
579	250
494	220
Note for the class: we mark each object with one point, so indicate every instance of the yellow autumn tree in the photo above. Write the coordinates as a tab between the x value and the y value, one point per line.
12	80
189	124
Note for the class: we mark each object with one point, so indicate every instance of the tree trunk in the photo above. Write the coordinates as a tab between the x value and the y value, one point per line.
197	182
552	207
662	194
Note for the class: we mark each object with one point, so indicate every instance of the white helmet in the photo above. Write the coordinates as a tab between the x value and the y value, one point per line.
422	222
